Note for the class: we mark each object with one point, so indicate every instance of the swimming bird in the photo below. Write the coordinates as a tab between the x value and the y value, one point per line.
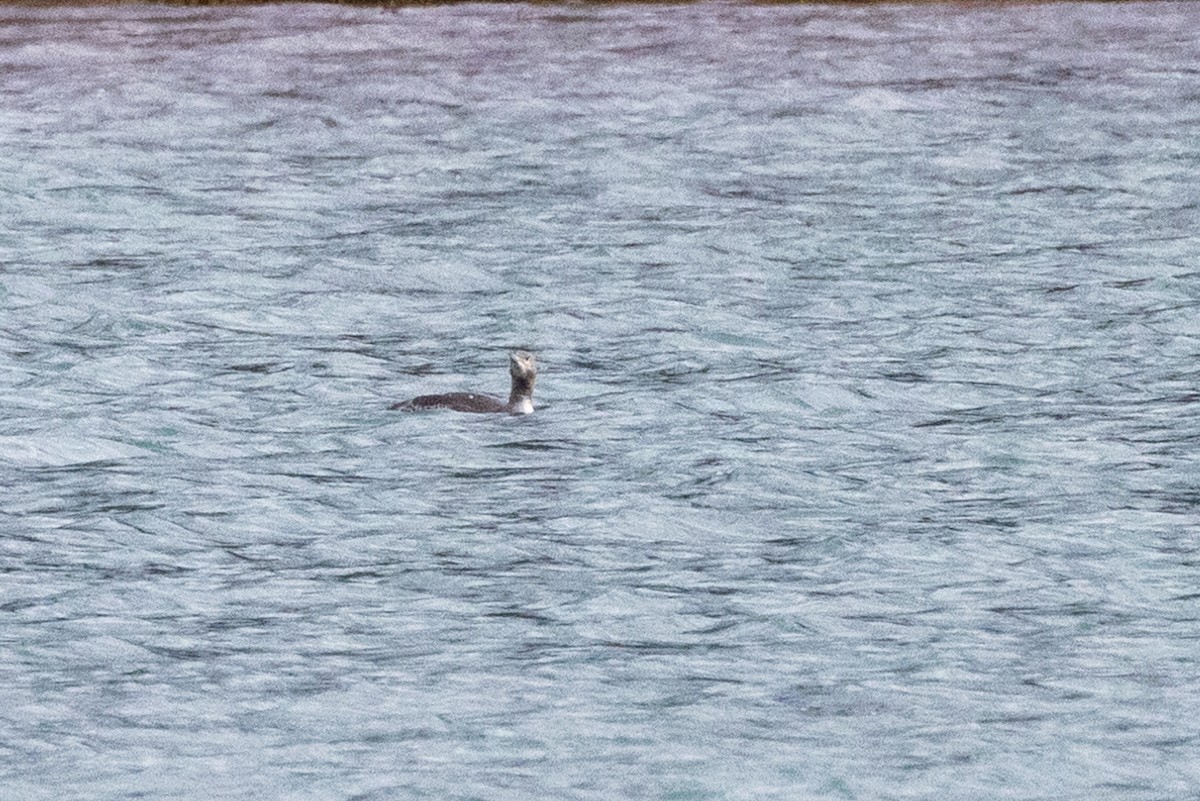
523	369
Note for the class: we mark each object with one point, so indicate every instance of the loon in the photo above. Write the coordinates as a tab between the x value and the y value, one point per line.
523	370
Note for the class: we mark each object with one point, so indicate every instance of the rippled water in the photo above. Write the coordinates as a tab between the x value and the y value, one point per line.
865	463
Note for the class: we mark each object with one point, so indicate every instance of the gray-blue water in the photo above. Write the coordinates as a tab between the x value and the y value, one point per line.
866	457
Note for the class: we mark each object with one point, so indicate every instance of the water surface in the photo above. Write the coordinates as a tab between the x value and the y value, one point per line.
865	464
